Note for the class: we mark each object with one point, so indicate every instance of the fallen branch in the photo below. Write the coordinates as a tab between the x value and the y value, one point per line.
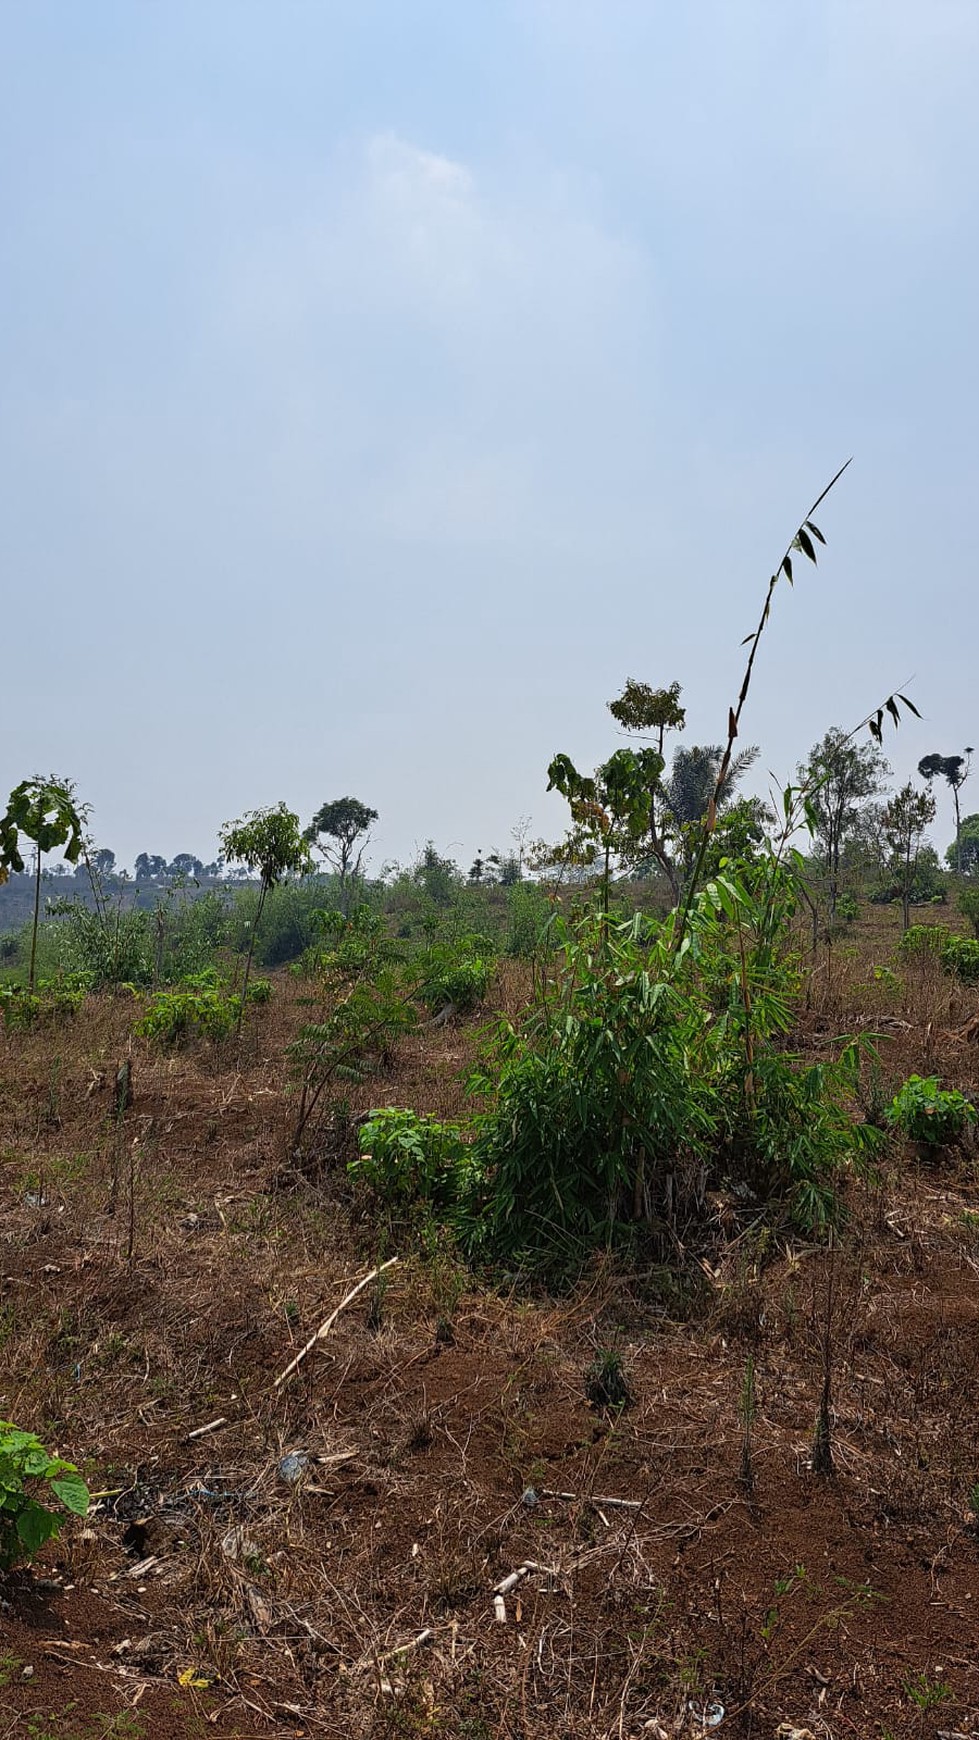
202	1431
509	1583
583	1498
325	1327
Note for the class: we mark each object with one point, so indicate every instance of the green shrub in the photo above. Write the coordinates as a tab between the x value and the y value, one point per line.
848	908
960	956
47	1006
176	1017
529	913
408	1159
646	1075
922	1111
923	941
25	1522
969	907
456	974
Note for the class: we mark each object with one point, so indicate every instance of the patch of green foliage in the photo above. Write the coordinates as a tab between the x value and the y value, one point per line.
456	974
925	1112
48	1005
969	907
25	1521
411	1160
648	1074
185	1013
959	955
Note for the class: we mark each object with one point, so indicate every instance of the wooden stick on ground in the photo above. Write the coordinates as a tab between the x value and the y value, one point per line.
325	1327
202	1431
508	1583
586	1498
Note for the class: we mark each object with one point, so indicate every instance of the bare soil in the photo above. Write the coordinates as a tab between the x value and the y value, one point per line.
679	1581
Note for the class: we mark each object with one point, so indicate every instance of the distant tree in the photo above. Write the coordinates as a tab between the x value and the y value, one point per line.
963	853
954	770
335	831
272	842
213	871
435	876
185	866
838	776
508	868
906	817
149	867
46	812
103	861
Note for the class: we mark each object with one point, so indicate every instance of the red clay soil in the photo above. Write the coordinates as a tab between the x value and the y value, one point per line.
681	1573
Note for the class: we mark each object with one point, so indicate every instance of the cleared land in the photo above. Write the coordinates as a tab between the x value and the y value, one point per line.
450	1436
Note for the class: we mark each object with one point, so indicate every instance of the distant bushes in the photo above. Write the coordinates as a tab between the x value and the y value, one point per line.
958	955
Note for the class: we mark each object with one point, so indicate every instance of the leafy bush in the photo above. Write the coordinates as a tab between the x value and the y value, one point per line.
47	1006
923	941
969	907
410	1159
176	1017
529	913
926	1113
649	1073
848	908
25	1522
960	955
456	974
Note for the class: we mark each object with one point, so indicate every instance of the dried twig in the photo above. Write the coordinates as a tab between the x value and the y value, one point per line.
510	1581
202	1431
586	1498
325	1327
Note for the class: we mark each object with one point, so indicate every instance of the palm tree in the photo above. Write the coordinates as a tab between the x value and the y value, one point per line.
693	778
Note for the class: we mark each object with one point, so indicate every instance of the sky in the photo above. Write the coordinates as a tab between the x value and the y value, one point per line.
386	381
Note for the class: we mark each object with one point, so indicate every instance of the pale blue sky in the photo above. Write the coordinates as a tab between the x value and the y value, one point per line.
384	382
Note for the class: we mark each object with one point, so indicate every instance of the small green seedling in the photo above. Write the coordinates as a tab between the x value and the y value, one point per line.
25	1522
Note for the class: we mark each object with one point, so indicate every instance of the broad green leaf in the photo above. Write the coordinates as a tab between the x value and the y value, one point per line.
72	1491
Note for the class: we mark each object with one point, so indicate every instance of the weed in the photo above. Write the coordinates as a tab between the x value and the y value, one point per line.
926	1694
606	1384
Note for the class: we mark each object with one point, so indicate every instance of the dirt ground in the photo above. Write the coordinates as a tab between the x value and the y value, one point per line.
664	1571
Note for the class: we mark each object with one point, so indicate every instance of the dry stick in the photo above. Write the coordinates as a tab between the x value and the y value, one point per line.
508	1583
202	1431
582	1498
325	1327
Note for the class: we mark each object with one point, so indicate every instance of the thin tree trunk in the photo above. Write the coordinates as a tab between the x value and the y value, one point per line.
37	908
248	959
